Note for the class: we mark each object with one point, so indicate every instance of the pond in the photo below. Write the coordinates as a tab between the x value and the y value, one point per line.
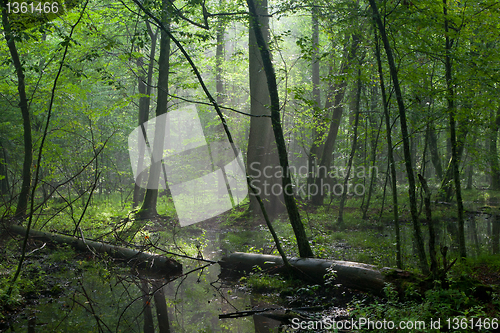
97	298
101	299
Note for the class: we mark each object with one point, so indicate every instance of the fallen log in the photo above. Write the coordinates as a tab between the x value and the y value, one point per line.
350	274
140	259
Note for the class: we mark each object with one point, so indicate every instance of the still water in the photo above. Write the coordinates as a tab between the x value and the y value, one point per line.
104	300
107	300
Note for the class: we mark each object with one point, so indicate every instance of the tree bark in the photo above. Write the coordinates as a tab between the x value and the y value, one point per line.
161	308
135	258
390	153
430	224
494	163
350	274
293	212
219	59
148	208
372	174
4	172
433	147
262	150
455	159
22	203
406	145
318	118
149	326
446	189
495	234
144	87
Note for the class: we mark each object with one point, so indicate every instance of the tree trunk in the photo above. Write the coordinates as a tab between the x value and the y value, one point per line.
446	189
495	234
350	274
374	144
318	118
356	110
22	203
334	99
135	258
161	308
406	145
144	87
262	150
390	153
433	147
219	60
4	172
494	163
149	326
470	173
293	212
430	224
455	160
148	208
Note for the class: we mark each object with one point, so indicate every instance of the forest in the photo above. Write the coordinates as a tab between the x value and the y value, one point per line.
250	166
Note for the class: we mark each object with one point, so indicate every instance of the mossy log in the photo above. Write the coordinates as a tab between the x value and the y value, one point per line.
143	260
350	274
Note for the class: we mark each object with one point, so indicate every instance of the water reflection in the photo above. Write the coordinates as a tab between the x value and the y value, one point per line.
119	300
105	300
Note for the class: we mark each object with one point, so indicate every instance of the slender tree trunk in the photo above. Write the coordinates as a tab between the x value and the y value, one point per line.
470	173
454	154
161	308
148	208
22	204
430	224
149	326
293	212
144	85
494	163
446	190
219	59
406	145
390	153
334	99
433	147
356	109
373	161
4	171
262	149
475	237
495	234
318	118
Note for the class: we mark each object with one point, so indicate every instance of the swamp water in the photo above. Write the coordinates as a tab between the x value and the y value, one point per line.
101	300
96	299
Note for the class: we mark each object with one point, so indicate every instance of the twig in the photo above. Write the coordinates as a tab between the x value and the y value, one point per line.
222	107
239	314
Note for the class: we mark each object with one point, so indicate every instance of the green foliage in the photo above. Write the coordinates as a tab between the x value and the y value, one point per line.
438	303
262	282
62	254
